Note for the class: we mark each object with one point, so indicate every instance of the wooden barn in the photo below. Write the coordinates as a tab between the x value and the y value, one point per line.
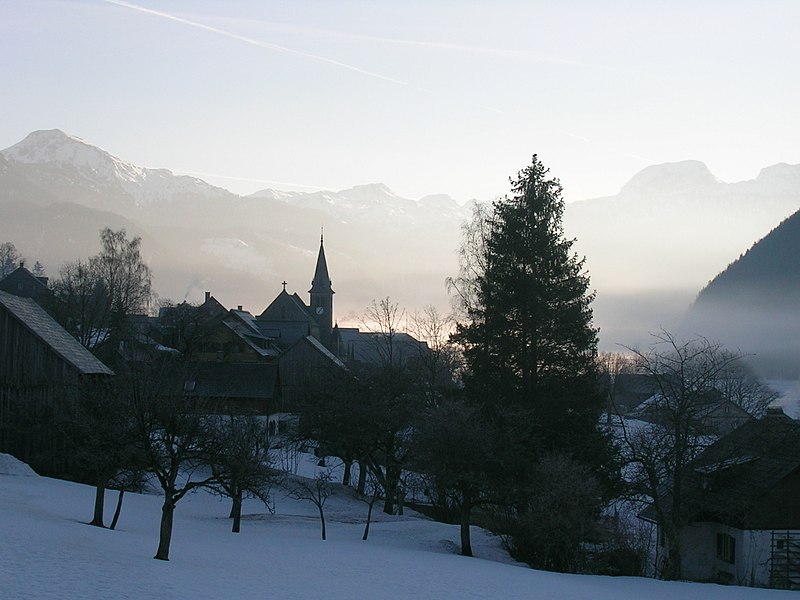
41	365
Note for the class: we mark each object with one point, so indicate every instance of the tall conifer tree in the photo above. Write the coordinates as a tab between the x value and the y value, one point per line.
529	342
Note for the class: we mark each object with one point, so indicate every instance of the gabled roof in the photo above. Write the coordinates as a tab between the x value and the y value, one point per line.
320	347
247	318
737	480
372	347
769	447
255	339
287	307
22	280
43	326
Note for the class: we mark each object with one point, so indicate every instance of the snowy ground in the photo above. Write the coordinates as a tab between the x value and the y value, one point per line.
47	551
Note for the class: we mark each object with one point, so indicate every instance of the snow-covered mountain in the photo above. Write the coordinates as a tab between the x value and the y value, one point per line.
375	205
650	248
669	178
379	244
57	160
676	224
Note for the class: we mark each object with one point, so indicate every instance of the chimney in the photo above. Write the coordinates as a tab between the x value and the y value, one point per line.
208	295
775	412
239	308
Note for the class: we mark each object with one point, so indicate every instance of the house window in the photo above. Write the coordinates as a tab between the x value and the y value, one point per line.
726	548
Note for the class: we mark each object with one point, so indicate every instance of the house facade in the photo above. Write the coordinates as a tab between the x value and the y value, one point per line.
742	491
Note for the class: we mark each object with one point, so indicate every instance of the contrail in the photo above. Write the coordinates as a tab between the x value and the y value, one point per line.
355	69
259	43
586	140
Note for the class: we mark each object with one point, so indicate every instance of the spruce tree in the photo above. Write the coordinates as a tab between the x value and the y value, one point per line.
528	339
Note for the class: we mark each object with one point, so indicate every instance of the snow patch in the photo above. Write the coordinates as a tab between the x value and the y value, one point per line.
13	466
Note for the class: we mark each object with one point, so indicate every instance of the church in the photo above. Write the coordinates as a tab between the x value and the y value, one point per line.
288	319
266	363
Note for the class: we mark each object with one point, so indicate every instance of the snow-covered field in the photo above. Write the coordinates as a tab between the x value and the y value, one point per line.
47	551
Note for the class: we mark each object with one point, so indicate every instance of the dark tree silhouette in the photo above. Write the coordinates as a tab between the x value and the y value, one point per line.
529	344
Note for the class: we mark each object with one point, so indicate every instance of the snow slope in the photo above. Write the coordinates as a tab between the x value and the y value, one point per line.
48	552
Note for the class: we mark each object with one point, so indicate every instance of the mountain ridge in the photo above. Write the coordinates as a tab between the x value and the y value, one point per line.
676	232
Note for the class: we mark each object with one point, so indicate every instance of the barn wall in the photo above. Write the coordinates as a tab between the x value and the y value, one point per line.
34	384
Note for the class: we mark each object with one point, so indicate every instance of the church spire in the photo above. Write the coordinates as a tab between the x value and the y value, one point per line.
321	284
322	297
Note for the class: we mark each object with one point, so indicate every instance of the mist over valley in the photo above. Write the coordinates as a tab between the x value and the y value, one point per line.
649	249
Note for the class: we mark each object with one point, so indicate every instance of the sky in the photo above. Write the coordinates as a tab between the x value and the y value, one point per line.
426	96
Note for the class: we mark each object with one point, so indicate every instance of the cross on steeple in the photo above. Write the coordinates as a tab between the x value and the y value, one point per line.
284	285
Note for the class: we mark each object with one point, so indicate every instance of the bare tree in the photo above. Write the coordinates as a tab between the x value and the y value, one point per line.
176	436
472	260
96	298
241	462
123	272
99	423
317	491
437	357
82	306
333	415
393	399
371	493
452	446
382	319
657	454
739	383
9	259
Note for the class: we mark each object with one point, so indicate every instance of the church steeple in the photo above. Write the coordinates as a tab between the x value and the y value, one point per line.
321	284
322	295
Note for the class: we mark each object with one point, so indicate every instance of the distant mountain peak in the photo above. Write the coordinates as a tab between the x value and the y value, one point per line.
53	146
71	162
781	172
669	178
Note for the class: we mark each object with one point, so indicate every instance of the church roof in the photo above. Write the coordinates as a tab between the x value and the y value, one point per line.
322	281
286	307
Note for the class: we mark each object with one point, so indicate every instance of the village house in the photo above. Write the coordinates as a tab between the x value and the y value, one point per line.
21	282
744	525
710	412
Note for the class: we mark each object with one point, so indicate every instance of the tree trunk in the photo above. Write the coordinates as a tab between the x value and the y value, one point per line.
348	465
236	511
362	478
165	532
322	520
118	509
369	519
466	543
392	488
388	504
99	503
670	567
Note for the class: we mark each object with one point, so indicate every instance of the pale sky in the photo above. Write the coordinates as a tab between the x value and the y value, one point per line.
426	96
